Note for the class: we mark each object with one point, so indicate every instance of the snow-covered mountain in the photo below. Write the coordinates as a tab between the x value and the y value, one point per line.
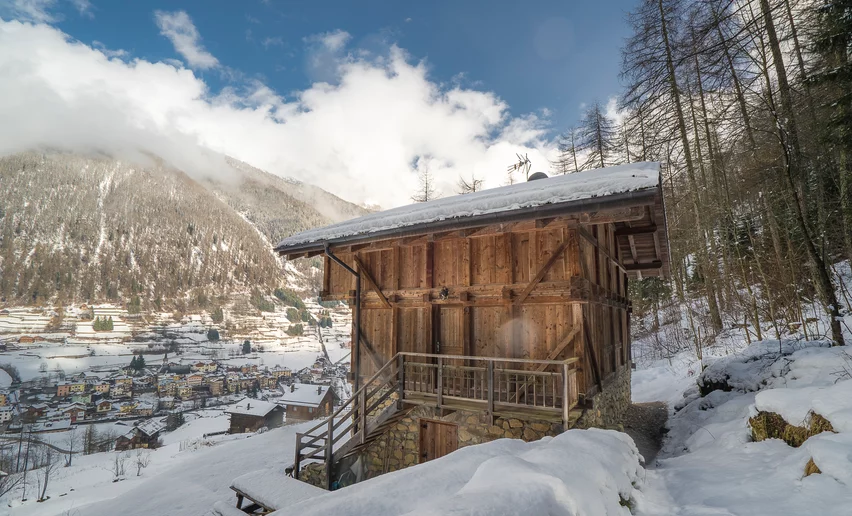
94	228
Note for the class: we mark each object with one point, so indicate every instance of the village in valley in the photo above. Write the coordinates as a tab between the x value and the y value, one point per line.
96	379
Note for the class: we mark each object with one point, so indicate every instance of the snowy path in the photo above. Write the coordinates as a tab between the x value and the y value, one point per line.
709	464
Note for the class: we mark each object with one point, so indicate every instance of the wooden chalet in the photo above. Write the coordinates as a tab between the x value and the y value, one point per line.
307	401
508	305
250	415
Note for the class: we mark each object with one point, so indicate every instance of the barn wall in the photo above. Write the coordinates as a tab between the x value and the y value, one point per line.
484	276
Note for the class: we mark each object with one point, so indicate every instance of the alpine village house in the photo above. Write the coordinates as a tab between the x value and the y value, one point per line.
500	313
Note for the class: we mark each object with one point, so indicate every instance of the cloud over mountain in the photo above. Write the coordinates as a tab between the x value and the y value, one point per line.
361	135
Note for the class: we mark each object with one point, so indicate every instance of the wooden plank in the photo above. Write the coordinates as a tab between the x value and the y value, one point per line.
370	281
541	273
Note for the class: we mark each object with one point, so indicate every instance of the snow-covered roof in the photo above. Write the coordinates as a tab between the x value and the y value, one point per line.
251	407
150	427
304	395
562	190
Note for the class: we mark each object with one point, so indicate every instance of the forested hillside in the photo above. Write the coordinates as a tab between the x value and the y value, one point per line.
78	229
747	105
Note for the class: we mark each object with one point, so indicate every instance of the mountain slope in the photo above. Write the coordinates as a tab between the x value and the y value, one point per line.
81	228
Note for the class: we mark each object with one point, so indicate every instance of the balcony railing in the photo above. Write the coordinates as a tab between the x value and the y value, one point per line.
538	389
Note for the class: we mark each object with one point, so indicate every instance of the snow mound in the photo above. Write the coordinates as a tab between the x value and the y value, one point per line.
578	472
757	366
834	403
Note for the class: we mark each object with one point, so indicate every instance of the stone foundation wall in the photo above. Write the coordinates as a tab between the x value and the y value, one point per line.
607	408
313	474
398	447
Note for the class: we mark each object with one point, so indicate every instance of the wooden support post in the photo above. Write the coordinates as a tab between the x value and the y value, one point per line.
329	452
370	281
566	394
440	381
401	379
490	388
362	425
296	462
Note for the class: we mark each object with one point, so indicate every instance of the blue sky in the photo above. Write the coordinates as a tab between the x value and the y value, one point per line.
540	54
356	97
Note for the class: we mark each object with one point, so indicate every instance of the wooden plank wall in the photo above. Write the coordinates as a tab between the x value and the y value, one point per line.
485	276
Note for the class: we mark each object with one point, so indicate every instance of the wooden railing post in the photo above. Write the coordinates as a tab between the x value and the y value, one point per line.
440	381
362	426
401	378
298	456
490	387
329	452
566	404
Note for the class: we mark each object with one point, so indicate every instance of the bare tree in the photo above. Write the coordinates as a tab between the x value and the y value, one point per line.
71	440
466	187
142	460
426	191
118	467
598	137
568	144
48	460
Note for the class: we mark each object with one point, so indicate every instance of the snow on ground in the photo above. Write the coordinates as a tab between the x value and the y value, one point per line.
709	464
180	480
588	472
5	379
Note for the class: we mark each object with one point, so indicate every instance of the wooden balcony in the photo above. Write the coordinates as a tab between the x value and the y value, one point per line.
520	388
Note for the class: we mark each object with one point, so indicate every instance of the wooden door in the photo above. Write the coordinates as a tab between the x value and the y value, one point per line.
450	339
437	439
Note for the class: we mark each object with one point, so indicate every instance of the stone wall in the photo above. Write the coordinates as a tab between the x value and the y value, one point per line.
607	408
313	474
398	447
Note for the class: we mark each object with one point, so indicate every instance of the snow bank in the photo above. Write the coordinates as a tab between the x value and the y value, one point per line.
758	365
588	472
834	403
561	189
710	465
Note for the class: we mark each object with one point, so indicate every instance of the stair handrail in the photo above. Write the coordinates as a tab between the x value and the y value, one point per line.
354	396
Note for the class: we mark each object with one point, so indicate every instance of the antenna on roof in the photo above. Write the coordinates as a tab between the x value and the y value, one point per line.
524	164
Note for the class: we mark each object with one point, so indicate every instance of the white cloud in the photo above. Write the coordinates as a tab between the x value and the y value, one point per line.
178	27
38	11
41	11
361	137
272	42
84	7
332	41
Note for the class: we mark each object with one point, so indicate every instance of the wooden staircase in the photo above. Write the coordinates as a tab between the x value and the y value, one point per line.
522	388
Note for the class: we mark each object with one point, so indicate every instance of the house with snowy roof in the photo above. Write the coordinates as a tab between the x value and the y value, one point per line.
306	401
250	415
500	313
146	434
